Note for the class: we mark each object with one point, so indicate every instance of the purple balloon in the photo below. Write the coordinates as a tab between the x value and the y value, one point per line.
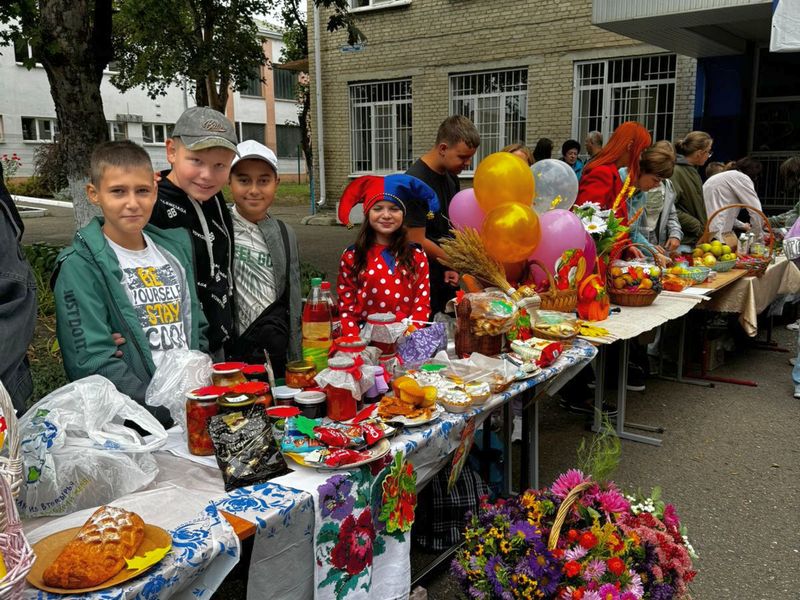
562	230
464	210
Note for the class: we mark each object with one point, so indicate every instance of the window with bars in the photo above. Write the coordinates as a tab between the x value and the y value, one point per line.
252	86
117	130
380	126
496	102
155	133
251	131
285	83
289	140
609	92
39	130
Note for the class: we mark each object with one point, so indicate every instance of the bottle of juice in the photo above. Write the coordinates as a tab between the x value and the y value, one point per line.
336	323
316	323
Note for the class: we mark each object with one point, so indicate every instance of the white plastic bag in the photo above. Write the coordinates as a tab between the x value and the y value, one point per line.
77	452
180	372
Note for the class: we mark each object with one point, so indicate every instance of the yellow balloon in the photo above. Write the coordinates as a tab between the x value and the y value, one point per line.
511	232
501	178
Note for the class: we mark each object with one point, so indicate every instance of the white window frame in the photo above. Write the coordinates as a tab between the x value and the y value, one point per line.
2	129
606	117
39	122
502	96
395	98
112	133
151	127
377	5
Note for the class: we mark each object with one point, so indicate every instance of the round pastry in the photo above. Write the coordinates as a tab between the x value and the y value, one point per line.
479	391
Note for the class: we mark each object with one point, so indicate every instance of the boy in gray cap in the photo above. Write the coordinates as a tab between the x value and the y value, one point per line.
200	151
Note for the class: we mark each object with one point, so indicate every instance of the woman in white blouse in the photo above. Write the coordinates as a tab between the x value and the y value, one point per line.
735	185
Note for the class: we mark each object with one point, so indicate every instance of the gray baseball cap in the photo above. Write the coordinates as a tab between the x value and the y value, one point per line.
201	127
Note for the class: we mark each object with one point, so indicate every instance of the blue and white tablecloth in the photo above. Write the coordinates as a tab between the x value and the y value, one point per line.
320	534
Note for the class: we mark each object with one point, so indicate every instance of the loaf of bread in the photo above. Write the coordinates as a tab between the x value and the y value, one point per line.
98	551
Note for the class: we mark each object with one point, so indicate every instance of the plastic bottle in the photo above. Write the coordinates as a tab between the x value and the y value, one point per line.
336	323
316	323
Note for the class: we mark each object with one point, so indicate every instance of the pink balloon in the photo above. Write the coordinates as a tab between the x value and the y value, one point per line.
590	253
464	210
562	230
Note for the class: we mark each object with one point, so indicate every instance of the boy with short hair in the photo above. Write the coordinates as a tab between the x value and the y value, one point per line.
123	275
266	264
200	152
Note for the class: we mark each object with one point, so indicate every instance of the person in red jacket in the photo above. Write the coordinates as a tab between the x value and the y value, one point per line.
601	182
383	272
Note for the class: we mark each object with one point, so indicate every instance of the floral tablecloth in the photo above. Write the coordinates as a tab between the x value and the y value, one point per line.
352	526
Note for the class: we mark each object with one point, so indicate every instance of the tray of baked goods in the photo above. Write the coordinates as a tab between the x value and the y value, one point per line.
112	547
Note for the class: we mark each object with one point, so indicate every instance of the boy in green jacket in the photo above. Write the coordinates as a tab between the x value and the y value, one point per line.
122	275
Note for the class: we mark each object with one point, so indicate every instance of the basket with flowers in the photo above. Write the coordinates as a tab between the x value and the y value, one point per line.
580	539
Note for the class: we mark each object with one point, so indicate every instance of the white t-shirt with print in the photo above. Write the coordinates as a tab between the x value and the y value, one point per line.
252	270
157	294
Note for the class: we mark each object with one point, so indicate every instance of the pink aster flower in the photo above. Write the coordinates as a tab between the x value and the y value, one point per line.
635	587
671	516
567	481
576	553
611	501
591	595
594	569
608	592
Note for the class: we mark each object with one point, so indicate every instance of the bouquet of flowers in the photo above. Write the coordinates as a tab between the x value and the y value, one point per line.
580	539
603	225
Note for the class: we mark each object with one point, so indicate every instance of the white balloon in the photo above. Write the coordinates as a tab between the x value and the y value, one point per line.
556	185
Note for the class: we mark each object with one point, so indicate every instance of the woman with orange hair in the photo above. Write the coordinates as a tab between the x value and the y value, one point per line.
601	182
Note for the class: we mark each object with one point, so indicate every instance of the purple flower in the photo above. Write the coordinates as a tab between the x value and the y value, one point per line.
661	591
595	569
567	481
576	553
458	570
494	566
635	586
476	593
671	516
591	595
541	566
524	530
334	497
607	591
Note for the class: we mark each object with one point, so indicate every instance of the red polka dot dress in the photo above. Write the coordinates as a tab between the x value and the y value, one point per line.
384	286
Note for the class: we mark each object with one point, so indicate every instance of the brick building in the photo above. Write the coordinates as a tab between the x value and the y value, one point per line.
520	69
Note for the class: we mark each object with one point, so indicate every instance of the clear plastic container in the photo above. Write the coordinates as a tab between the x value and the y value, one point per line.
554	325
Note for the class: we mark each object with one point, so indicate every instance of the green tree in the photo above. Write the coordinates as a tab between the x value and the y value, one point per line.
72	41
295	47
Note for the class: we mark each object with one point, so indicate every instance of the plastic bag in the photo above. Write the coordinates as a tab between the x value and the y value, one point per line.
77	452
791	243
180	372
421	345
491	313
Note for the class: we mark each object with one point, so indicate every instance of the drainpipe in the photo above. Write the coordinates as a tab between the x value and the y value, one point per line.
318	101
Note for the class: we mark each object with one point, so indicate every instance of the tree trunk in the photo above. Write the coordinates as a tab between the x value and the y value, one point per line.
74	48
305	127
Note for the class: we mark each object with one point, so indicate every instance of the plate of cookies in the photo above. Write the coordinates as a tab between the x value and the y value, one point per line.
112	547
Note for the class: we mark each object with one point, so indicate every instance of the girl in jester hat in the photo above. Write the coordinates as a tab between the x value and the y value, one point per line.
383	272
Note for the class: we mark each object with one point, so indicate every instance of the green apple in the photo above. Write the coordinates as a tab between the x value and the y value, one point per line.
709	260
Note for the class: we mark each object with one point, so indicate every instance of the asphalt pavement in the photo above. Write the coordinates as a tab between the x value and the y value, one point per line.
730	458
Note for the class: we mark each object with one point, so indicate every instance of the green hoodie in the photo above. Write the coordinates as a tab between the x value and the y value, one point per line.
91	304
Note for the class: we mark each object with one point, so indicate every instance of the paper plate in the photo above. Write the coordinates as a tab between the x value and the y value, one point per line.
376	451
438	411
48	549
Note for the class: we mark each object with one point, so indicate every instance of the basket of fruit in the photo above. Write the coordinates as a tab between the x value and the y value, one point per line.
633	283
714	252
553	298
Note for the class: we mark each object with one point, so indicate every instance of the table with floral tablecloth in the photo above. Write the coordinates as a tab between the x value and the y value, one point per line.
320	534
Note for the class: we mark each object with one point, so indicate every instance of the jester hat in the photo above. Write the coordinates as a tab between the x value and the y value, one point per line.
398	189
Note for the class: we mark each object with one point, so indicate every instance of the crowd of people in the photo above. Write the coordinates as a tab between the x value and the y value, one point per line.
170	265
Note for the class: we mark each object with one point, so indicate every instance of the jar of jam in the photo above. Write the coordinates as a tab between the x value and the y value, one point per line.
351	344
234	402
300	374
342	405
311	404
228	373
381	335
256	373
259	392
201	405
284	395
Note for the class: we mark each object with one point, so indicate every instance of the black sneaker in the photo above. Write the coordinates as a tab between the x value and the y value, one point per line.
588	409
636	378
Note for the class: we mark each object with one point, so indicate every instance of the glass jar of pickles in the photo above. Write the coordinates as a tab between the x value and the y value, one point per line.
201	405
300	374
258	391
228	373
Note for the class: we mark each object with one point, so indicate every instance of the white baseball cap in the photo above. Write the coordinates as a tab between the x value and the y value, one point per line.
252	149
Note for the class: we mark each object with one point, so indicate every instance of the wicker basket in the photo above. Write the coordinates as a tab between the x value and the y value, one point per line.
10	464
757	265
16	550
553	298
563	510
467	342
624	297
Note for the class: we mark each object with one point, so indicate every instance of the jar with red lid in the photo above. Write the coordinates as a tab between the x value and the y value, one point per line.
228	373
260	392
256	373
300	374
201	405
344	382
234	401
383	331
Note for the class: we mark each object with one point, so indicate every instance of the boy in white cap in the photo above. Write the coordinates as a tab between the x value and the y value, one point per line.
200	151
266	264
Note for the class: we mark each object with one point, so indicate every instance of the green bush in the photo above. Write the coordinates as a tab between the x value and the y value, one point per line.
33	186
307	273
